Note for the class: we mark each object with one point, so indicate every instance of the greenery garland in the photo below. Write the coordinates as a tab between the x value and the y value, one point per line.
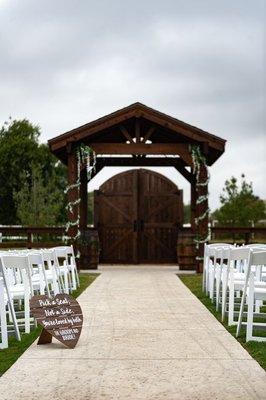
84	154
198	160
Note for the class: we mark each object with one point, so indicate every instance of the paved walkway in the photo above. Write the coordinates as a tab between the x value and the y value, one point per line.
145	337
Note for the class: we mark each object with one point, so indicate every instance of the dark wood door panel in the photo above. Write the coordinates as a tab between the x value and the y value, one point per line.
137	214
158	246
116	209
115	215
159	215
116	245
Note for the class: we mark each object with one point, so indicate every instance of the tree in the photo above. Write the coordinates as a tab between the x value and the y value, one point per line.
20	153
18	147
38	202
240	207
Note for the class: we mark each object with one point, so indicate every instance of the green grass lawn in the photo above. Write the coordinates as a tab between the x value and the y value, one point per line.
256	349
13	352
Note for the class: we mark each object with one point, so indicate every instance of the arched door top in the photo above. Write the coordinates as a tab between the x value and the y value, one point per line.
122	176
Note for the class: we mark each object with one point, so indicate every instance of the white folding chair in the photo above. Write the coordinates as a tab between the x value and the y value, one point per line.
38	277
256	245
233	279
15	271
61	255
252	291
259	246
3	320
210	267
51	271
205	272
71	264
222	254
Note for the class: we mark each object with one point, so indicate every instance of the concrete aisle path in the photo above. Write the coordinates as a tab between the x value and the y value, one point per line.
145	337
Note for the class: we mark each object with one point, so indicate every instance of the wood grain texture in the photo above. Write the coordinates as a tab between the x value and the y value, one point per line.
137	215
60	316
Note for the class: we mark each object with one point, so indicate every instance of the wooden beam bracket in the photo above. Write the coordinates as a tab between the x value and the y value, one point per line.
126	134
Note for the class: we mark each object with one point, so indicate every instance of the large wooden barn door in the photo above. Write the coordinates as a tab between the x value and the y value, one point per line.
137	214
115	216
160	214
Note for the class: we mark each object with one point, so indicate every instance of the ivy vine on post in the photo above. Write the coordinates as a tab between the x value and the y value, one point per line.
199	161
84	155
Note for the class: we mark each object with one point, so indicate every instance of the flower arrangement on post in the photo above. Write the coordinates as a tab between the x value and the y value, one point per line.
199	162
84	155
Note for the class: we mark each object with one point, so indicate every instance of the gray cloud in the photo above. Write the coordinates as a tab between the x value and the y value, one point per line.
65	63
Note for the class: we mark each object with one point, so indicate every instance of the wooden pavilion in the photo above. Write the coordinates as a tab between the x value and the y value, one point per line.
139	136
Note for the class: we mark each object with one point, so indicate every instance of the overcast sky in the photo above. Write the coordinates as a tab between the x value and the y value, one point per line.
65	63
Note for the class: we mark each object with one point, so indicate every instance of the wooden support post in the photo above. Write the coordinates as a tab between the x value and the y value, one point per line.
83	261
193	215
83	199
201	209
72	194
193	198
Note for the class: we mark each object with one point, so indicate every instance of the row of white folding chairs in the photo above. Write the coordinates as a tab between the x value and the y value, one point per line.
226	274
16	286
24	273
38	279
61	259
69	268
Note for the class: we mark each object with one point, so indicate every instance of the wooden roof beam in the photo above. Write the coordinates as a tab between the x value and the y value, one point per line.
175	162
148	134
184	172
180	149
140	161
137	131
126	134
154	117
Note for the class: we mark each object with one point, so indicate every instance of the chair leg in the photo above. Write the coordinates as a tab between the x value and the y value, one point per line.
26	303
206	279
4	343
45	283
203	279
74	282
231	303
204	276
224	293
12	315
258	304
77	277
66	287
218	286
27	313
55	283
72	261
211	284
250	308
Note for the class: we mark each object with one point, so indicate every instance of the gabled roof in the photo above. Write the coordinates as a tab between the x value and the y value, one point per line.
168	129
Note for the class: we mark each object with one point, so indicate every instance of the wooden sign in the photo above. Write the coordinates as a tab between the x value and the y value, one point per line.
60	316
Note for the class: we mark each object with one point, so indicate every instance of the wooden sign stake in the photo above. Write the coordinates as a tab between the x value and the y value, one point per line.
45	337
